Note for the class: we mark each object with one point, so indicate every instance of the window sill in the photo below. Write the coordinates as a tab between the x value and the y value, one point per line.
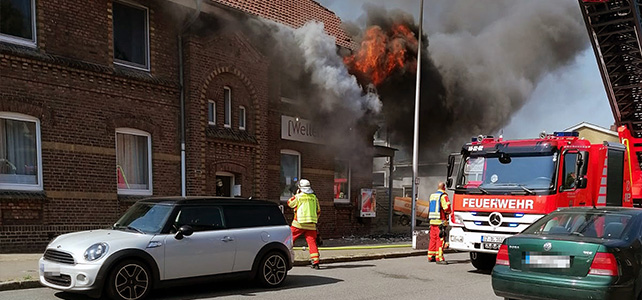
18	41
339	204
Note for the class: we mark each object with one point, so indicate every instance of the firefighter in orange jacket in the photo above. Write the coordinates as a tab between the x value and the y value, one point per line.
306	214
439	208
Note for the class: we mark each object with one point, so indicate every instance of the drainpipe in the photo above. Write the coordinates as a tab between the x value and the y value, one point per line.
182	93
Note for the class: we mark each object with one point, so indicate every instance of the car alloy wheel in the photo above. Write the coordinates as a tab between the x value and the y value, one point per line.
273	269
129	280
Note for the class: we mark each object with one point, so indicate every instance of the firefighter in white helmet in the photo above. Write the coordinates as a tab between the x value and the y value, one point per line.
306	214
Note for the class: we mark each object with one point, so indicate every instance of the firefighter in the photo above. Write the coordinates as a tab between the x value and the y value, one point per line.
439	208
306	214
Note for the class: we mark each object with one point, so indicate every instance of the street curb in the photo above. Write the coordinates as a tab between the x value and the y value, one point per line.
19	285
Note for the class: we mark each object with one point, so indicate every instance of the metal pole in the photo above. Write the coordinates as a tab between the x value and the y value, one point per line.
390	204
415	143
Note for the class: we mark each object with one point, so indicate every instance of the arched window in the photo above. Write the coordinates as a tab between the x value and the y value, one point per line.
290	173
20	152
211	112
134	161
242	117
227	106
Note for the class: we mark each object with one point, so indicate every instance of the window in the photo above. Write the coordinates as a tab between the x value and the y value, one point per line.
211	112
133	162
290	172
241	117
243	216
379	178
131	35
570	161
341	181
200	218
18	22
20	152
227	101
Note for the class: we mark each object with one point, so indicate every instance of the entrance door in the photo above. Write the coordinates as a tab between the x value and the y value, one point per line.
224	185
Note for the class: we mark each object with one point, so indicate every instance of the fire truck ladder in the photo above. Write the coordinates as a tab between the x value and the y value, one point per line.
614	30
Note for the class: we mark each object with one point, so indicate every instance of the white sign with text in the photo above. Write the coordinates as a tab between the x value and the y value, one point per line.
301	130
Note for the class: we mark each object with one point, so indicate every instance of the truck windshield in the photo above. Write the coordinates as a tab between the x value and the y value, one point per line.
521	173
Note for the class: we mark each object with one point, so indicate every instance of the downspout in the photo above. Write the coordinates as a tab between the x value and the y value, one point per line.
181	81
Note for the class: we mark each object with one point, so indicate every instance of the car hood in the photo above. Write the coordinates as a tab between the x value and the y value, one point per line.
77	242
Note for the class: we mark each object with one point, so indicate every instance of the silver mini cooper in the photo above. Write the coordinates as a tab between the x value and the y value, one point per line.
163	241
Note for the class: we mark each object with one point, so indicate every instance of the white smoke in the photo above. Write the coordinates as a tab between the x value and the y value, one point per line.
338	89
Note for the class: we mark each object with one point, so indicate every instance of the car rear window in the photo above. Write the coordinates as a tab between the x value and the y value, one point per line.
606	225
240	216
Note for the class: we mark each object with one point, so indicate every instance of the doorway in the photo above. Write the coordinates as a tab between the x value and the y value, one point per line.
224	183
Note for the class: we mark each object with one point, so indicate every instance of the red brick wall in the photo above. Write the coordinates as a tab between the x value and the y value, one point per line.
72	86
70	83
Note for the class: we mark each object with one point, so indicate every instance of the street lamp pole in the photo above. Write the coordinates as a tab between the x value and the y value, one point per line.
415	143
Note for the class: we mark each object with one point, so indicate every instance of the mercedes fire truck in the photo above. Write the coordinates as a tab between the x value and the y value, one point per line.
502	186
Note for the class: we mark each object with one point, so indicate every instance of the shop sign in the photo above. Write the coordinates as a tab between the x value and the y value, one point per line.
301	130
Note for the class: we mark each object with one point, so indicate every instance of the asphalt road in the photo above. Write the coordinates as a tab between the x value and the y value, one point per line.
398	278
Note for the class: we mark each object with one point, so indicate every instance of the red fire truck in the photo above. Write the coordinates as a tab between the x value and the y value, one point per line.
503	186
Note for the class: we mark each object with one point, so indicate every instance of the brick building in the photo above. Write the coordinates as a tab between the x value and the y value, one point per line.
91	110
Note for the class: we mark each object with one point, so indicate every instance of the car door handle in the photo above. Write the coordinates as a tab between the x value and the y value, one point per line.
227	239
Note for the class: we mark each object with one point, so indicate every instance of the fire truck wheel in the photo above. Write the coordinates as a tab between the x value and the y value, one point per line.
482	261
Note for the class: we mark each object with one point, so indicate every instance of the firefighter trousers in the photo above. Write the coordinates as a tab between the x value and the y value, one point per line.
435	247
311	239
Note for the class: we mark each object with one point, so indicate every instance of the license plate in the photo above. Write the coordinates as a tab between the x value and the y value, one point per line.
492	239
492	246
548	261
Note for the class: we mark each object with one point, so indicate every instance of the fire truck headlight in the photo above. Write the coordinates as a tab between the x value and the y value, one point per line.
456	220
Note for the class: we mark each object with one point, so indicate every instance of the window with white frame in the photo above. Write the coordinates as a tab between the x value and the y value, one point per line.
227	103
241	117
131	35
211	112
133	161
341	181
290	173
18	22
20	152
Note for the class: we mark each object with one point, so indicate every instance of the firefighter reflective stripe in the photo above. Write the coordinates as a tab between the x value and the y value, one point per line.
306	206
434	211
314	257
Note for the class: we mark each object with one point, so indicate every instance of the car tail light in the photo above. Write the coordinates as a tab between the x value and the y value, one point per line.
603	264
502	256
455	220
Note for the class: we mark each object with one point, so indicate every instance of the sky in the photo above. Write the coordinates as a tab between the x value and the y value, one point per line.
561	99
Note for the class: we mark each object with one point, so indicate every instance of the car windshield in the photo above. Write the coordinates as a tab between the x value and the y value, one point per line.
144	218
605	225
519	172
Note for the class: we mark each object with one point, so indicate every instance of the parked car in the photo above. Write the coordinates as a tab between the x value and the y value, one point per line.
574	253
166	241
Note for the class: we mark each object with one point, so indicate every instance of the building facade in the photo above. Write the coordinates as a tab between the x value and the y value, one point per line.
94	97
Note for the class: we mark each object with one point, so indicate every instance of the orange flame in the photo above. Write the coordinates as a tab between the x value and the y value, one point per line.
382	53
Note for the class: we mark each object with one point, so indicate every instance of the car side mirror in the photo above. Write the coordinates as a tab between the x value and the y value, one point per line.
580	182
184	231
449	182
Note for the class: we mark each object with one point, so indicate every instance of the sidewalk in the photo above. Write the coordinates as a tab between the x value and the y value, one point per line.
20	271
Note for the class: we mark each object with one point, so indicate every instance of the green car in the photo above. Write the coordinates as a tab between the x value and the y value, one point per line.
574	253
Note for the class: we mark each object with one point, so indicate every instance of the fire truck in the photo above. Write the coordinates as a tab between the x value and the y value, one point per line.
502	186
